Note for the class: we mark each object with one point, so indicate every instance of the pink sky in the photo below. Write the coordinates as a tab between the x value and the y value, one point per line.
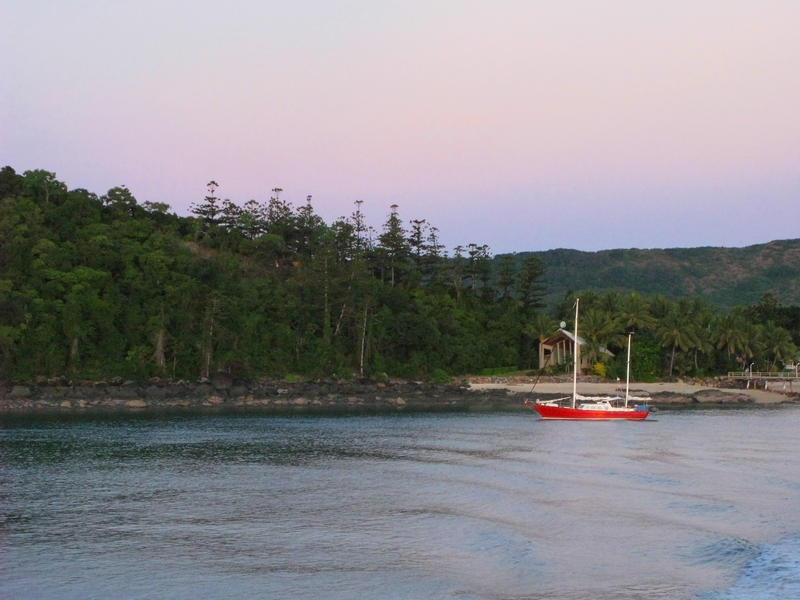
524	125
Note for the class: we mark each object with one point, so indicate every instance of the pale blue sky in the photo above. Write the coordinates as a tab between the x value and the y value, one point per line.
523	125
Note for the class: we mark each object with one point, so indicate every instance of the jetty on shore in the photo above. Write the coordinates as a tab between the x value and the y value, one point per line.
778	381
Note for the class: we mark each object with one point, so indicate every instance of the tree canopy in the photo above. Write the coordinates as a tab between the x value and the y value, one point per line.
99	287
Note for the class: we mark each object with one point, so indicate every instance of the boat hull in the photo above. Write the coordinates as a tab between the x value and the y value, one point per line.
583	414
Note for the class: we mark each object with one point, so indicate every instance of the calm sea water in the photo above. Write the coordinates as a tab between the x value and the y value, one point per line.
695	504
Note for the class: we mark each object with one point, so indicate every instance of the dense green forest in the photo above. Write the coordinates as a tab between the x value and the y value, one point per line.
98	287
727	277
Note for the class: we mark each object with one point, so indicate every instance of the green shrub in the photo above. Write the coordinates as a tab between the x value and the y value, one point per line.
439	376
488	372
599	369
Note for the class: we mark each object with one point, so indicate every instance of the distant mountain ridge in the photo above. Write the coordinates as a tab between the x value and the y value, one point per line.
727	277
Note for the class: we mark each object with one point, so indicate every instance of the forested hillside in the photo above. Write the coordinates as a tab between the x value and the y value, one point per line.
97	287
727	277
104	286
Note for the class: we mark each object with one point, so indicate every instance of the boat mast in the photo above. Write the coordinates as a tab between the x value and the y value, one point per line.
575	356
628	370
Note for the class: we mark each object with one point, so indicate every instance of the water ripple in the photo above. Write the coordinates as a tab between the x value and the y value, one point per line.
494	506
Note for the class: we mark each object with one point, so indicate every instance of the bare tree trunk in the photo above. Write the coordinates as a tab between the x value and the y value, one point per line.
208	350
209	345
672	360
363	340
73	351
326	310
340	319
158	353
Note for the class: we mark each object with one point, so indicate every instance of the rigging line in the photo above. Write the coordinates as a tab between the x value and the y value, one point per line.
541	370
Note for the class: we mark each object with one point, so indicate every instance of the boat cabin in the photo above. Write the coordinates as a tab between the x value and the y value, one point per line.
559	349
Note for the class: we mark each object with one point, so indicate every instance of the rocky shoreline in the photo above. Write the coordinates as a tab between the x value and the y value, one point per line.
222	394
722	391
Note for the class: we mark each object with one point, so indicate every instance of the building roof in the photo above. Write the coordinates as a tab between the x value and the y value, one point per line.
563	333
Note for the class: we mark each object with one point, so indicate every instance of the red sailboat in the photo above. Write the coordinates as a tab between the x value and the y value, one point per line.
592	408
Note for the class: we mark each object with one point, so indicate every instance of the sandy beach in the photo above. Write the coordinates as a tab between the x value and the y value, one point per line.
611	388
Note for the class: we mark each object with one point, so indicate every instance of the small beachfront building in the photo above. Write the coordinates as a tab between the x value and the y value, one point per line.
559	349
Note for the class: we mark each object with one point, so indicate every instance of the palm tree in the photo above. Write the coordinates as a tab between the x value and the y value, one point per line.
703	344
635	314
540	328
676	331
609	302
659	307
701	315
778	343
730	333
599	329
754	346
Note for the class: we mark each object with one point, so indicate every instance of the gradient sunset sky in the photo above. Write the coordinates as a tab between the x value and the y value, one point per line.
525	125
